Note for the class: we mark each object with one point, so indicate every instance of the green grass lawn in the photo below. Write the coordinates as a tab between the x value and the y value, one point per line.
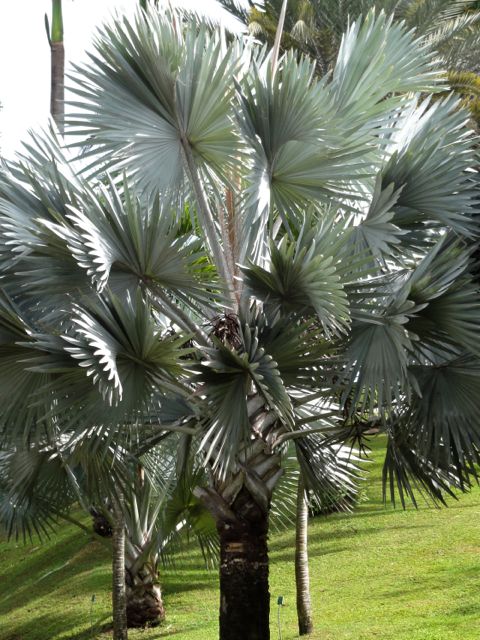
377	573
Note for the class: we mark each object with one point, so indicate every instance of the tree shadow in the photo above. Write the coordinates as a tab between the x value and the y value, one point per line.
289	554
47	622
48	571
172	586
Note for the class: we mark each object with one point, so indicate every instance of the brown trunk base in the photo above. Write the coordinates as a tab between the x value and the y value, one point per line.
305	628
144	606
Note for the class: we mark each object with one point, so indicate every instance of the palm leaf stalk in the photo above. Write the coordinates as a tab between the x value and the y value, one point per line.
343	209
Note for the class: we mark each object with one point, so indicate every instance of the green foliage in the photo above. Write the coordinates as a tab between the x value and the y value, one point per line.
316	27
315	281
467	85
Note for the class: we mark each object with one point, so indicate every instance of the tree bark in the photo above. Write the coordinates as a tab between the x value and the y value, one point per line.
57	63
240	505
144	600
57	93
302	578
244	591
118	570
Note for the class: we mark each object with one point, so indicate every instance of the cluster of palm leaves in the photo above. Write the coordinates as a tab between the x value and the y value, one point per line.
315	27
264	262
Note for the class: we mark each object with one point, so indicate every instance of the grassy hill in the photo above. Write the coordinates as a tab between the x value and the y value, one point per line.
377	573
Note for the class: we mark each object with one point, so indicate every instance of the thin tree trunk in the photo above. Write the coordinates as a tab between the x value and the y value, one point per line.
302	578
57	57
119	600
57	93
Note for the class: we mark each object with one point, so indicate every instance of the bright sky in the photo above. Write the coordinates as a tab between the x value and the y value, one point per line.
25	57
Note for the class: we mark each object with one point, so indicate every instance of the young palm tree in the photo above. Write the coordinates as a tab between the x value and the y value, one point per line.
38	487
284	260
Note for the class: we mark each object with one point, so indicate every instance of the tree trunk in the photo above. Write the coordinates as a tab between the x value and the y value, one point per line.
302	578
240	505
57	93
57	62
144	600
118	566
244	592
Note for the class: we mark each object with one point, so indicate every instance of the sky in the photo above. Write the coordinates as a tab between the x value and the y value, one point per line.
25	57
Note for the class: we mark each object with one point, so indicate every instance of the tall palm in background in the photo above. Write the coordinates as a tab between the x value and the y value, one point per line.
57	64
284	260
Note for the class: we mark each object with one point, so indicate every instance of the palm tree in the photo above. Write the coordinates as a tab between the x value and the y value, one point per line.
316	29
39	486
282	259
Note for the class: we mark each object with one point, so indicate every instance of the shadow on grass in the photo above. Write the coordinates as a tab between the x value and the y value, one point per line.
38	570
439	579
288	554
56	626
320	542
174	585
48	570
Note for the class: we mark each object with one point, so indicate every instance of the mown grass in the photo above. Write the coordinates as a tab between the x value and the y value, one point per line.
377	573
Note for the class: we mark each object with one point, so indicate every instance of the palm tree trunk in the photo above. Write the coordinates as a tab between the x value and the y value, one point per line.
144	600
244	591
240	505
57	57
302	578
118	567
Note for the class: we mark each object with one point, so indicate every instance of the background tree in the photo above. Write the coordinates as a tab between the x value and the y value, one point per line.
315	28
39	487
57	58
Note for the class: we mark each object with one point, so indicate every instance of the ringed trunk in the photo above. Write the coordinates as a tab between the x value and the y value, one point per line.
57	93
118	571
302	577
57	58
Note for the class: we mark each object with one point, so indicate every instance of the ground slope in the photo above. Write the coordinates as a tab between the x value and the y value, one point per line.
377	573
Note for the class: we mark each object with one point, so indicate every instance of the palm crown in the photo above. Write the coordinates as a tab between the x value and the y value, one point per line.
251	257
